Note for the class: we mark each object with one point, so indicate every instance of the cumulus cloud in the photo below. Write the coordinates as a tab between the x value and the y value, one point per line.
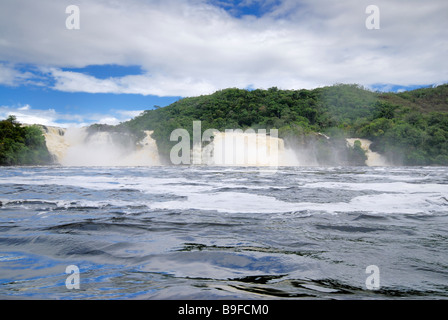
146	84
193	47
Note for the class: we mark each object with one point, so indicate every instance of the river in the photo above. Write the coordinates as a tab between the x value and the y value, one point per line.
202	232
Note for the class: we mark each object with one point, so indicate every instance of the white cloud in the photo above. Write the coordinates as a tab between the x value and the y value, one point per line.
28	116
11	77
146	84
50	117
190	47
108	120
24	108
77	82
129	114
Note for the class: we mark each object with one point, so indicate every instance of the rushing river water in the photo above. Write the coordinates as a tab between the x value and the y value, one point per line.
224	233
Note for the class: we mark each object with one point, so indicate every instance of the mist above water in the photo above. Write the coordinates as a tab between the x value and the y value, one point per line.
79	147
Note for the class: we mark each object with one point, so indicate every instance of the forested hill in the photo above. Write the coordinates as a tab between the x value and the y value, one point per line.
410	128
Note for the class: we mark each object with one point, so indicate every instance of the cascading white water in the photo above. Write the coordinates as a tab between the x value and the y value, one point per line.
246	149
374	159
56	142
76	147
146	152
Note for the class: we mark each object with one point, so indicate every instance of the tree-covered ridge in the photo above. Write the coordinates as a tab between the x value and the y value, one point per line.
410	128
22	145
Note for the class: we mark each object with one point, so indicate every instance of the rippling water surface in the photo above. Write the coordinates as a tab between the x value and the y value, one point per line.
232	233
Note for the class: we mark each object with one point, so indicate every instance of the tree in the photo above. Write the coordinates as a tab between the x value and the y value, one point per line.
22	145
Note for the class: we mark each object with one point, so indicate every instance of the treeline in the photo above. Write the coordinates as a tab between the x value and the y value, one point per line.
22	145
409	128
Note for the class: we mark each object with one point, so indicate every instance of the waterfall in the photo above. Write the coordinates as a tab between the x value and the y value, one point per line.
374	159
146	152
237	148
78	147
56	142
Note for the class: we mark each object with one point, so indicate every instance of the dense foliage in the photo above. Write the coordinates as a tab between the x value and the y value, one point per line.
22	145
410	128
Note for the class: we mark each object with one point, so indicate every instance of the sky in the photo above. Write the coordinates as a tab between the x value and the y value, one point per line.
128	56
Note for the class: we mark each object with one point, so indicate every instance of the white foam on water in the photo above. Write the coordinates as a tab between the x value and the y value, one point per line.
231	202
393	197
234	202
67	204
394	177
158	186
400	187
393	204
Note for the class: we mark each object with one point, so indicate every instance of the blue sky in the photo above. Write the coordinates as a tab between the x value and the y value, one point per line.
78	107
129	57
36	101
241	8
